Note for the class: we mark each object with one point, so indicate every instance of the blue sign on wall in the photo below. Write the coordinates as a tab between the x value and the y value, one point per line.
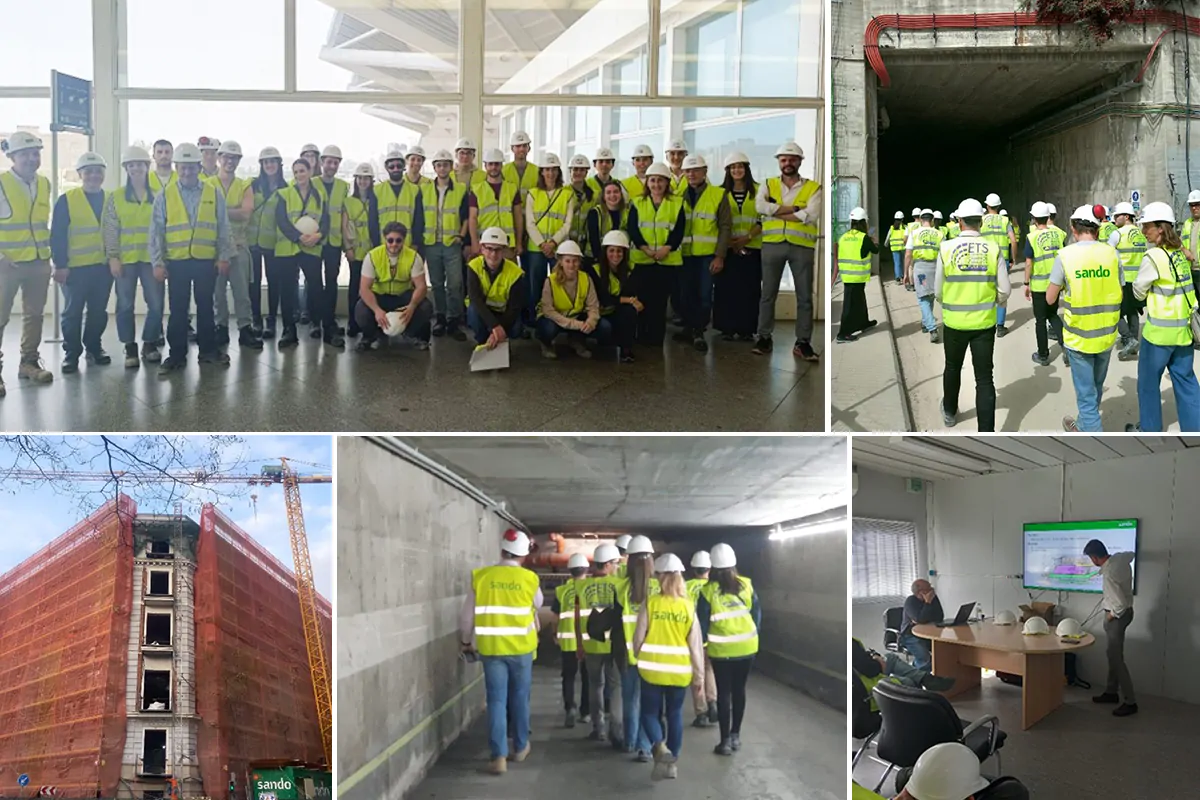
72	99
23	780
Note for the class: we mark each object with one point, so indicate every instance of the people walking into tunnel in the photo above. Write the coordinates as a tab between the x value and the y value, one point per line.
571	614
730	619
920	608
1165	282
632	591
737	288
920	263
1041	248
497	622
972	281
1117	574
854	252
600	591
1130	245
668	645
1191	234
997	228
1087	276
704	698
897	236
126	224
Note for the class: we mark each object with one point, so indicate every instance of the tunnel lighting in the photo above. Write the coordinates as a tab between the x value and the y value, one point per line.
828	526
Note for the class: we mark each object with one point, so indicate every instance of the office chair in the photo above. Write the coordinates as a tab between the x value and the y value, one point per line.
864	723
893	618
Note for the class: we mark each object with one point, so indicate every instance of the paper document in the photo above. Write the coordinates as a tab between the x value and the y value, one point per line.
484	359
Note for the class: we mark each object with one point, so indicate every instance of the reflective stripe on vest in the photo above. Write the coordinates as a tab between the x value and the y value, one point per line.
393	207
549	211
385	282
1168	300
25	234
731	629
926	243
85	244
568	306
497	212
664	659
298	207
566	594
495	291
186	239
779	230
851	265
156	182
655	225
504	624
629	612
969	267
746	216
359	213
1091	300
579	219
995	229
1045	245
1191	234
335	204
1131	249
451	217
896	239
700	228
134	219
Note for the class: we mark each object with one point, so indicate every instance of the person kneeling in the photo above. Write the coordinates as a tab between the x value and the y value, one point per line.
393	279
569	305
497	292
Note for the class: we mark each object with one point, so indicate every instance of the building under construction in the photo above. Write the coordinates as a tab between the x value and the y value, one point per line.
146	655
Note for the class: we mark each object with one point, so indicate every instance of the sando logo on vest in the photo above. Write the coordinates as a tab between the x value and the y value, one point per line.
671	616
1099	272
506	586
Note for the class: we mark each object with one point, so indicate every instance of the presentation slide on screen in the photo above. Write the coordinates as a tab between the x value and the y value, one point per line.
1054	558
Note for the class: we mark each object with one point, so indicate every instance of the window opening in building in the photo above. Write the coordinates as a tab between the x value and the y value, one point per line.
156	692
884	559
160	582
158	629
154	754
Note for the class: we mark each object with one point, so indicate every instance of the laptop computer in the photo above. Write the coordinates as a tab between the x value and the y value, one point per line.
960	618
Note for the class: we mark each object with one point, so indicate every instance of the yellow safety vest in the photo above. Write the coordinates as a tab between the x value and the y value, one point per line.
700	229
745	217
298	207
25	235
451	206
134	218
869	683
969	268
579	220
629	612
926	243
233	199
1131	249
778	230
664	659
549	211
655	225
496	291
387	281
393	207
1107	229
597	592
186	240
566	594
85	243
523	182
1191	235
497	212
336	204
859	793
567	306
731	629
263	231
1091	300
635	187
953	229
598	187
694	586
614	289
851	266
1045	244
156	182
897	238
359	214
995	229
1169	300
604	219
679	184
504	612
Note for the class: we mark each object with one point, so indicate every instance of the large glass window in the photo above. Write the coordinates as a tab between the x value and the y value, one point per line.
34	116
757	134
36	37
711	57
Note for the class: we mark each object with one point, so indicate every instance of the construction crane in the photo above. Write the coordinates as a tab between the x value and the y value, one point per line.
269	475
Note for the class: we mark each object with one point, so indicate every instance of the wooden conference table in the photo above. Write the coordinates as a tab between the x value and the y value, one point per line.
962	651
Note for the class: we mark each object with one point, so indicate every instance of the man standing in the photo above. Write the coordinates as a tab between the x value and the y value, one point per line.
635	185
920	608
164	171
921	254
708	223
239	205
1130	244
1117	572
676	153
333	191
209	150
499	202
446	220
396	198
519	171
498	621
465	171
996	228
1041	246
1191	235
603	161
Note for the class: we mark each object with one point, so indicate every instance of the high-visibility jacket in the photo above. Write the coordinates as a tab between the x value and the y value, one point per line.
995	229
567	593
156	182
233	199
629	612
134	218
694	585
731	629
85	243
1045	244
851	265
497	212
869	683
563	303
549	211
635	187
969	268
745	217
393	207
655	225
679	184
1169	299
359	213
897	238
1191	235
598	187
504	612
263	232
579	220
25	235
953	229
910	227
604	219
700	229
860	793
664	659
496	291
1107	229
598	592
1131	249
779	230
943	229
926	243
1090	303
523	182
336	202
298	207
385	281
186	239
614	289
451	211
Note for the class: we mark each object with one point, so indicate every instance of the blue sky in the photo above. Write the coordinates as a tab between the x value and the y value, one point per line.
32	514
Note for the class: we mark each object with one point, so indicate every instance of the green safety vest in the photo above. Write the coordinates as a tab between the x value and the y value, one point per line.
1131	249
629	612
614	289
549	211
496	290
233	199
523	182
778	230
655	225
568	306
359	213
859	793
943	229
1091	299
746	217
995	229
851	265
731	630
910	227
969	268
134	218
393	207
387	282
451	206
504	612
597	592
85	243
263	230
664	659
926	243
1045	244
566	594
25	235
1107	229
635	187
156	182
953	229
700	229
1191	235
694	586
497	212
604	220
598	187
186	240
1169	300
679	184
297	208
336	204
896	239
579	219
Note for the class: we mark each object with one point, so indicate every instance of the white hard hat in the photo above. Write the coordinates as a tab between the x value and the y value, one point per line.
700	560
494	235
1005	617
309	148
1069	627
364	169
677	146
493	156
694	162
1158	212
789	149
331	151
623	541
899	215
604	154
230	148
394	155
208	143
927	212
992	200
615	238
937	215
187	153
1052	209
269	152
569	248
134	153
90	159
515	542
639	544
1035	626
916	212
518	137
659	169
947	771
668	562
858	214
550	160
577	561
736	157
442	155
415	150
723	556
1084	214
605	553
464	144
22	140
1194	196
1039	209
580	161
642	151
1123	208
1003	213
969	208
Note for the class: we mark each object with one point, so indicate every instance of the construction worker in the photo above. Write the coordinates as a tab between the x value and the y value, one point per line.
704	697
333	190
667	642
126	225
603	162
1107	228
952	227
737	288
998	229
609	212
730	617
1041	249
1191	234
497	290
920	263
1130	245
676	153
1165	283
571	616
569	305
446	220
80	264
617	291
656	226
1053	220
586	199
897	237
262	236
549	215
708	224
1088	275
500	202
937	223
912	225
164	169
465	171
239	204
969	312
504	598
190	242
396	198
208	156
393	279
518	171
633	589
357	239
599	590
312	154
791	210
635	185
297	252
854	265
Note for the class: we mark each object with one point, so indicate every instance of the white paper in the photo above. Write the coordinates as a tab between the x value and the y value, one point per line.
484	359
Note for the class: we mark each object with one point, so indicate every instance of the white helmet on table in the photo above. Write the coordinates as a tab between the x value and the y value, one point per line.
700	560
668	562
1005	617
1158	212
623	541
21	140
495	236
605	553
722	556
789	149
515	542
858	214
1070	628
569	248
90	159
133	154
615	238
1036	626
639	544
947	771
577	561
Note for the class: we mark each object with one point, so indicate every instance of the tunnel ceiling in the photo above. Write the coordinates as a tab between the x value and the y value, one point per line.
649	483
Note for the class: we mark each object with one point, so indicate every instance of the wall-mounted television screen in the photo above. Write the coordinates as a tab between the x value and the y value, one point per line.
1054	558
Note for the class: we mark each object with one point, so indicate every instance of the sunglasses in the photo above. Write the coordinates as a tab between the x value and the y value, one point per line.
394	240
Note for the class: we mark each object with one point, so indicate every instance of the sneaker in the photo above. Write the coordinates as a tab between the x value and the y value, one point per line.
586	719
246	338
642	757
581	350
218	358
289	338
34	371
1107	697
934	683
843	338
1125	709
598	736
1041	361
673	769
548	351
871	323
70	364
700	344
170	364
268	331
713	717
701	721
335	341
1001	331
496	766
131	356
935	336
723	748
523	753
569	719
1130	352
660	753
735	739
366	345
150	353
762	346
99	358
1069	424
950	419
804	351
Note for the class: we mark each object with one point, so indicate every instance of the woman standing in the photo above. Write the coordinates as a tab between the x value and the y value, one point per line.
262	235
570	305
611	213
737	289
616	288
296	252
729	617
897	237
670	657
549	212
854	251
656	227
356	234
633	589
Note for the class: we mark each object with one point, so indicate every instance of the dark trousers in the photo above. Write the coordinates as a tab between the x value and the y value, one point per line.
678	303
570	665
1131	308
982	344
1043	311
287	275
418	327
352	292
320	282
624	320
731	675
547	329
854	308
257	257
737	290
87	288
185	280
482	331
696	293
654	289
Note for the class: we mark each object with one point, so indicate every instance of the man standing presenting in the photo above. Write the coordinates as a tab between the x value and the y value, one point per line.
920	608
1117	572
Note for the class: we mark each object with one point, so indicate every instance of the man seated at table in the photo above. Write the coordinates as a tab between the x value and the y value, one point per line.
921	607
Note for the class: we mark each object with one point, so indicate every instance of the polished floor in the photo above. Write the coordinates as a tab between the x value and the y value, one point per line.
792	749
319	389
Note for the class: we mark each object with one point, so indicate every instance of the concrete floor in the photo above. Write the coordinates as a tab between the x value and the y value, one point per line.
316	388
1081	750
867	393
792	747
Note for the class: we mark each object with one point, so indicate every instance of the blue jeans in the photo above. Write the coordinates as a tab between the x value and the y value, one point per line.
537	267
897	667
631	698
652	699
898	263
153	293
547	329
507	680
1152	360
919	648
1088	371
1001	312
696	292
482	331
443	268
87	288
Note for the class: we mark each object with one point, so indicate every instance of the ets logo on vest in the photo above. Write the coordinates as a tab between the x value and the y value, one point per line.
974	254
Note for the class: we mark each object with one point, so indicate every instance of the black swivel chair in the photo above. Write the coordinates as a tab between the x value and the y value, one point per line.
864	723
914	720
893	618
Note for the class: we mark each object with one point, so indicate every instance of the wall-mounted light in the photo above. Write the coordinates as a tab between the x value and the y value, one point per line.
779	533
